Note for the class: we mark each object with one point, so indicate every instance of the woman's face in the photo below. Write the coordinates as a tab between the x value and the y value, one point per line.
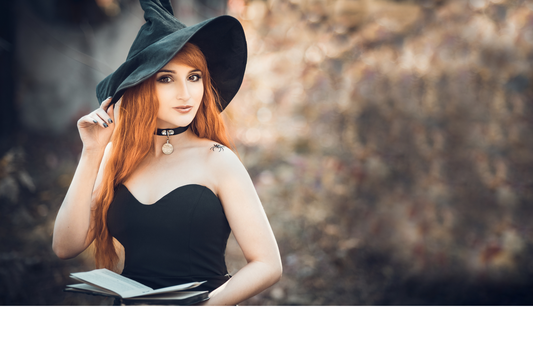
180	90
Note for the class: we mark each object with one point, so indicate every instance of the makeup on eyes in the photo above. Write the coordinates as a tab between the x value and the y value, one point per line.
197	74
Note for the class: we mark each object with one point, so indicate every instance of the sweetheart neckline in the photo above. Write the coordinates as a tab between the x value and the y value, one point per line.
168	193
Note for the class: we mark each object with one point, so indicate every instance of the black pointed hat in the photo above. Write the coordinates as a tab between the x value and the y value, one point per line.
221	39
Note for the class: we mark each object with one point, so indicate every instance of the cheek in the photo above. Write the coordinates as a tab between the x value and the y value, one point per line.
198	93
164	96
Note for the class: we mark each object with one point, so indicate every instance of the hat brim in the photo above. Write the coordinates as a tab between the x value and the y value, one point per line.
222	41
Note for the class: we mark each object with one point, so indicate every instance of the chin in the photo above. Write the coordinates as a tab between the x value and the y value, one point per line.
176	122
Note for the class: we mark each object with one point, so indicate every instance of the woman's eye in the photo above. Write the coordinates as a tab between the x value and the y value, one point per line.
195	77
164	79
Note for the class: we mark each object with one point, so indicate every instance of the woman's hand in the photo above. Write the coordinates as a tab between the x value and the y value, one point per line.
97	127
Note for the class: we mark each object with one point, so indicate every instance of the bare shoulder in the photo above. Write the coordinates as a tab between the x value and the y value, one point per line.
217	147
224	165
222	158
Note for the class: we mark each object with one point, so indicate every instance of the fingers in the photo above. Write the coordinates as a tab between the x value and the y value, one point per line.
111	112
100	116
105	103
108	109
103	116
91	120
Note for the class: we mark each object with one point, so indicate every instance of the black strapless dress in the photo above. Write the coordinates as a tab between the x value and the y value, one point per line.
180	238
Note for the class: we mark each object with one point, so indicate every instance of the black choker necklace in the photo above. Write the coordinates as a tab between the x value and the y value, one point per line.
167	147
171	132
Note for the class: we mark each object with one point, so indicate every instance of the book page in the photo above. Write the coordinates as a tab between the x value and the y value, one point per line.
174	288
112	281
91	288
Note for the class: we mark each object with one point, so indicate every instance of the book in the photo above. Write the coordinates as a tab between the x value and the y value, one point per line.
103	282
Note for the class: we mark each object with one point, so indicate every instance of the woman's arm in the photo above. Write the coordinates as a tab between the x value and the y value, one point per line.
252	231
74	217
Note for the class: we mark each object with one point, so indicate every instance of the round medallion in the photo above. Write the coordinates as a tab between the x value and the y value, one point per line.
167	148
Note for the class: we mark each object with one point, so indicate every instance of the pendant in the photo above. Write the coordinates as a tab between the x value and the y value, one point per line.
167	148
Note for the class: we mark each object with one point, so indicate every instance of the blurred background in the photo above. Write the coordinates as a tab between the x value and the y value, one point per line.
389	141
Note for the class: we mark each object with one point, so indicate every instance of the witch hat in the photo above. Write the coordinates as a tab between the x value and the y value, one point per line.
221	39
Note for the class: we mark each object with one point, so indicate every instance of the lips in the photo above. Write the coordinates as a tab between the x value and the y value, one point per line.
183	109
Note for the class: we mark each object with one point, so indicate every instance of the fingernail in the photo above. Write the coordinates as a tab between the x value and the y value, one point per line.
109	97
95	121
110	120
105	125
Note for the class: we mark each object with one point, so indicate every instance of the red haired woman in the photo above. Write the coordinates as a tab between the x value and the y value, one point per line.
157	174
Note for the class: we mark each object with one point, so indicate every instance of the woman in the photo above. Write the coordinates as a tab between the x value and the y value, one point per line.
166	186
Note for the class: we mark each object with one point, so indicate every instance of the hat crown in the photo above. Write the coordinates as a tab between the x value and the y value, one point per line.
160	22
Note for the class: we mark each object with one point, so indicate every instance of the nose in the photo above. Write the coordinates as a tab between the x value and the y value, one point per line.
182	90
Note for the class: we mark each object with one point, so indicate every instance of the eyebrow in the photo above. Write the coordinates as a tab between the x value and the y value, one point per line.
173	72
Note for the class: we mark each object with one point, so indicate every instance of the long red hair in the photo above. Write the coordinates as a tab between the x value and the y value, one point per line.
133	139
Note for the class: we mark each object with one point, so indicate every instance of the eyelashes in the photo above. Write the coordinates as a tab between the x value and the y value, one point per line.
167	78
163	79
198	77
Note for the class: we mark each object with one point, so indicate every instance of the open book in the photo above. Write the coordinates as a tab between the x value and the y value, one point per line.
104	282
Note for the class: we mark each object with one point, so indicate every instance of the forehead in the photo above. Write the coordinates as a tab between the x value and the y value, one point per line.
178	65
178	62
